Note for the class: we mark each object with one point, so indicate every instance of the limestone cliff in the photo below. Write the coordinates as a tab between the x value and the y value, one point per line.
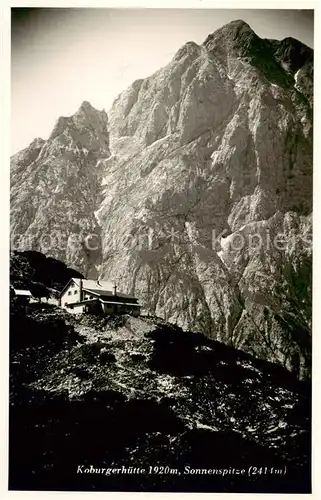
200	192
55	190
215	148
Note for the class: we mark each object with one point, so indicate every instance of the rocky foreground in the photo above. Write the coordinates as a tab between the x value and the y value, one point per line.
167	193
113	392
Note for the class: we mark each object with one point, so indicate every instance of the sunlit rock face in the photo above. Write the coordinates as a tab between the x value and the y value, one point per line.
198	189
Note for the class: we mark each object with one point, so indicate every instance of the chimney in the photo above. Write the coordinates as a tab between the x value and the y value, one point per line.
80	290
114	289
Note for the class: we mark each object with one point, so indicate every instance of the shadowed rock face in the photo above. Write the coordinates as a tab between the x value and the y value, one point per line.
33	269
211	160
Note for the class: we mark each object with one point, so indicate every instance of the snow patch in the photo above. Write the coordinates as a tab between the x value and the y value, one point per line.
248	366
199	425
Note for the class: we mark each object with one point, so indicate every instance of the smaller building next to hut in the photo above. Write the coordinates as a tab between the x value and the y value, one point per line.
22	296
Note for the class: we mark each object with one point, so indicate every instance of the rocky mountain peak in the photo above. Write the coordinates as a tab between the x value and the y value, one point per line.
63	180
277	61
88	128
188	49
86	106
237	37
232	29
219	140
91	114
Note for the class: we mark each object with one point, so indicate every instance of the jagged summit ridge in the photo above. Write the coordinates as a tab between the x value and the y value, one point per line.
236	37
277	61
231	31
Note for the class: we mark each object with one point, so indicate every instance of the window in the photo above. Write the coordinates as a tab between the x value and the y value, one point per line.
75	291
69	293
91	297
66	304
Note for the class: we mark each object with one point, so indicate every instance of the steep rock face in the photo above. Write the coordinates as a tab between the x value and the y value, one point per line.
215	147
55	189
208	155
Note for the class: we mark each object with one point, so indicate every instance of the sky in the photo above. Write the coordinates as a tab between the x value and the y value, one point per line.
62	57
